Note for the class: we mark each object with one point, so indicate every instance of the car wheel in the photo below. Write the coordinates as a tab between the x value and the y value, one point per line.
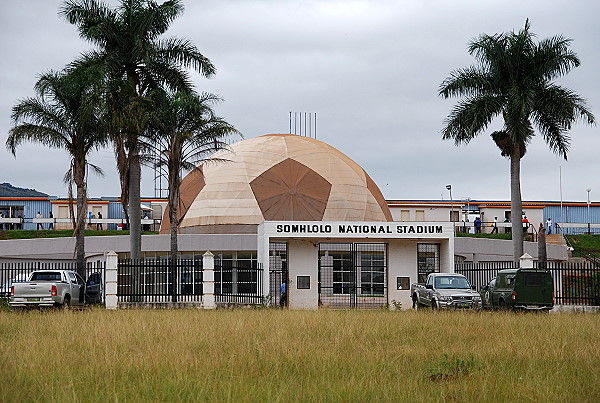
434	305
502	304
415	303
66	304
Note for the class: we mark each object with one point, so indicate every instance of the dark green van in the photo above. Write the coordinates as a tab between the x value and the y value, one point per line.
529	289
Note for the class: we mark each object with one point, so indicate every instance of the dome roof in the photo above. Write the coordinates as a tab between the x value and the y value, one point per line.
277	177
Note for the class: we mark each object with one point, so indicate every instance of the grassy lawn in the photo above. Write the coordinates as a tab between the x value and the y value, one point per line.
500	235
585	243
31	234
273	355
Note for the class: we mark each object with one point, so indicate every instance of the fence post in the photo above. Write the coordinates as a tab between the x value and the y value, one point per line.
526	261
208	280
111	280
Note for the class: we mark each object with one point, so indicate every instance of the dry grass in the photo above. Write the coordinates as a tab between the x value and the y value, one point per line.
274	355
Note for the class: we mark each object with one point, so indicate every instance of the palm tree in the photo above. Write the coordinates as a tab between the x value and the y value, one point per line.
514	80
184	132
135	60
64	115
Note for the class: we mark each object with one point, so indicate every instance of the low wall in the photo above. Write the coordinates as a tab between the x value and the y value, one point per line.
497	250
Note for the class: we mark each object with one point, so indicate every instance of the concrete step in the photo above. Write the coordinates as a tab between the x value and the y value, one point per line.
556	239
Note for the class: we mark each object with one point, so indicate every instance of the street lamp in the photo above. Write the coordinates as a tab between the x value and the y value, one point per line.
588	190
449	187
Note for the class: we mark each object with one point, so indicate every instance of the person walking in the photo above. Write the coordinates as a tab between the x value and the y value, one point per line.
478	225
99	225
39	224
283	292
525	222
495	229
51	225
549	225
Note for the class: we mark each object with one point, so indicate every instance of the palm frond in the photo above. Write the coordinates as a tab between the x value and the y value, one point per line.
182	52
470	117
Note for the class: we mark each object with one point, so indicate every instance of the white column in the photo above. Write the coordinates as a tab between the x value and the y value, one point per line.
111	280
263	259
526	261
208	281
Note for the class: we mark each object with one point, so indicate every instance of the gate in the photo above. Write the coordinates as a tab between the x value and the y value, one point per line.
352	275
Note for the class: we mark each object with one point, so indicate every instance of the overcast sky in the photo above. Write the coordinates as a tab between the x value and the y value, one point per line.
369	69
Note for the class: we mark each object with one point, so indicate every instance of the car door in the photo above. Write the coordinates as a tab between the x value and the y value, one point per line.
426	292
488	292
93	288
75	289
81	286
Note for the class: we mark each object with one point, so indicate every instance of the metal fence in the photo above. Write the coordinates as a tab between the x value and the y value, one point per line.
574	283
181	281
238	285
19	272
159	280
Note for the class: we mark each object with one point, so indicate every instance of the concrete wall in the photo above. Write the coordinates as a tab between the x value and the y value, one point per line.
303	260
431	213
62	249
402	262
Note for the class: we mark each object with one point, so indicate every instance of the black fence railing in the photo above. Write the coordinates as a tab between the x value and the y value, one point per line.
162	281
479	274
577	229
238	285
276	278
159	280
574	283
19	272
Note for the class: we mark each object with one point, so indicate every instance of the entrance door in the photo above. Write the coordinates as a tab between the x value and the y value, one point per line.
352	275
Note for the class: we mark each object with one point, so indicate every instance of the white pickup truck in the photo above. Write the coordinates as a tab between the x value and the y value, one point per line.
445	290
61	288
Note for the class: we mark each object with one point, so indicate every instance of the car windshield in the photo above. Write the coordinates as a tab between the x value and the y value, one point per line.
451	282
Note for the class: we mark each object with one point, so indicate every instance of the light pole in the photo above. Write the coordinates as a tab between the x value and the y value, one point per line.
449	187
588	190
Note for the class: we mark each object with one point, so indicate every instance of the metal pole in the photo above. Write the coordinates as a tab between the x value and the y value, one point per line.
588	209
449	187
560	189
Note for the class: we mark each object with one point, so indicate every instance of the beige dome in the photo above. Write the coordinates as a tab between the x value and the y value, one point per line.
277	177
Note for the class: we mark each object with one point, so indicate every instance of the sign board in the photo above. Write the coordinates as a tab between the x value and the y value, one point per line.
385	230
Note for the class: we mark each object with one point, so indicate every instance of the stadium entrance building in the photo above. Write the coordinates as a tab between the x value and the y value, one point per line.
354	264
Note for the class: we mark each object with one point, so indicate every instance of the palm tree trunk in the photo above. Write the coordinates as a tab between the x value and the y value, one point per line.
173	221
516	204
135	212
123	169
173	204
79	177
173	257
135	219
80	230
542	254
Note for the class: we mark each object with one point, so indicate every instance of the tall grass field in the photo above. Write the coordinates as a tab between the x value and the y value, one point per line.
269	355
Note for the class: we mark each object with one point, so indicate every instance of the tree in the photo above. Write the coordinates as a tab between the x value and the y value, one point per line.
514	80
65	115
135	61
184	132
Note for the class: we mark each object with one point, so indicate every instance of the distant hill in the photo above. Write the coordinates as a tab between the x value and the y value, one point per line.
8	190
